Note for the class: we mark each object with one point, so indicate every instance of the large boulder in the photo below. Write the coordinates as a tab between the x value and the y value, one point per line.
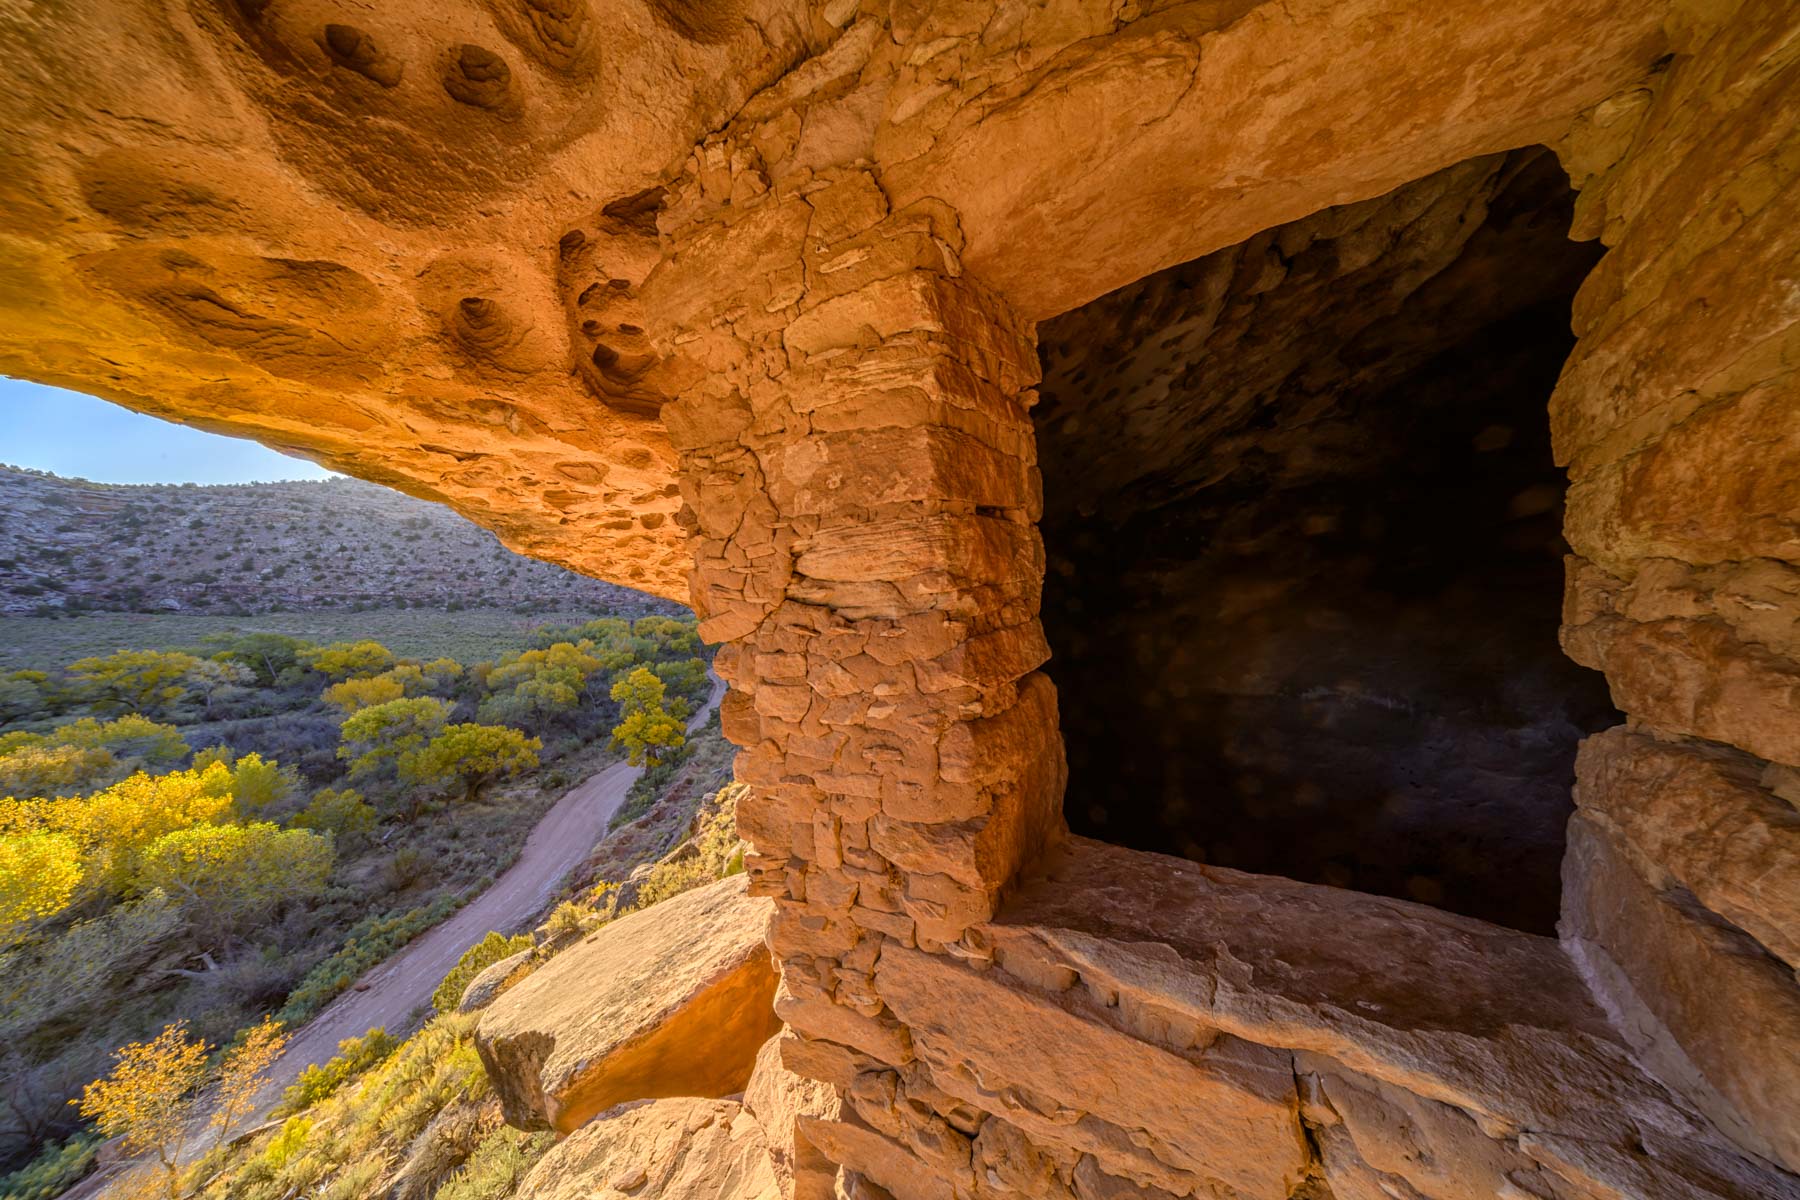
685	1148
671	1001
494	979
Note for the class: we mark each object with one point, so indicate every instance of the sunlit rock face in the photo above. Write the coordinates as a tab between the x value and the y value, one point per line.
412	240
402	240
737	303
1305	548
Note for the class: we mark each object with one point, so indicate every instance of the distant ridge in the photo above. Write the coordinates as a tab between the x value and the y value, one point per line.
302	545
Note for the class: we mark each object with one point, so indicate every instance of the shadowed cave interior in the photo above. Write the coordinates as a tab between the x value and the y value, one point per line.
1303	528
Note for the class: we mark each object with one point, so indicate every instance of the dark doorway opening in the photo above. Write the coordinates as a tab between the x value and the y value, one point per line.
1303	528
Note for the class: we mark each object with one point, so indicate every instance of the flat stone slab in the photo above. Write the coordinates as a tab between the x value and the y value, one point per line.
1487	1040
675	1000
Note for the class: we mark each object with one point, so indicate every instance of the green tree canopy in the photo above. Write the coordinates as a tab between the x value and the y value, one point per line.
540	684
267	655
230	876
469	757
130	736
374	738
344	814
669	637
139	680
23	694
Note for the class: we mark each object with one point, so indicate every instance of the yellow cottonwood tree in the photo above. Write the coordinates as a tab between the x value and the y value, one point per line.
244	1074
357	693
469	754
341	660
139	680
117	825
47	770
228	876
381	733
645	730
147	1100
39	875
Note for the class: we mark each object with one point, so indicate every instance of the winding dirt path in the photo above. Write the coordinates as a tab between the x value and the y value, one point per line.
387	996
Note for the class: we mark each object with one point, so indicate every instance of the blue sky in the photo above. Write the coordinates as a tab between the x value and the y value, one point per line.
72	434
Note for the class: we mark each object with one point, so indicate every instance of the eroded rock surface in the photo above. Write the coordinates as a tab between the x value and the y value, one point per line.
671	1149
411	243
781	1100
674	1000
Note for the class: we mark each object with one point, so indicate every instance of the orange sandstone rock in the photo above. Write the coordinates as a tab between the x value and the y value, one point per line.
672	1149
675	1000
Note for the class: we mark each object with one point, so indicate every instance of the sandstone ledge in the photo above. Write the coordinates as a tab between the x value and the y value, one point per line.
671	1001
1118	976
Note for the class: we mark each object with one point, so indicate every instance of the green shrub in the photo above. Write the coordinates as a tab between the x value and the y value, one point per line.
569	919
670	879
497	1165
343	814
408	866
356	1181
53	1171
720	853
476	959
355	1055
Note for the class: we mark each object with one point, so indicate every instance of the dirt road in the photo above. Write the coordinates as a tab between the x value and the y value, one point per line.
388	995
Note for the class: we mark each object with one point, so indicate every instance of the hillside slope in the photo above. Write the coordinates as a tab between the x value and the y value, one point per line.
69	544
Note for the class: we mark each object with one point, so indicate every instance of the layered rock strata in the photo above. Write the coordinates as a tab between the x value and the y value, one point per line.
1676	418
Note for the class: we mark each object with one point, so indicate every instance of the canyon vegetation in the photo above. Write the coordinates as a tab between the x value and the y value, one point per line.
197	838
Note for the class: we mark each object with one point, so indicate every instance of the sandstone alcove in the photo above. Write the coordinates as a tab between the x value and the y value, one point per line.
1305	554
1298	519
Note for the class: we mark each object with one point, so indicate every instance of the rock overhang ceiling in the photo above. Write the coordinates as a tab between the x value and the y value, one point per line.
411	243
